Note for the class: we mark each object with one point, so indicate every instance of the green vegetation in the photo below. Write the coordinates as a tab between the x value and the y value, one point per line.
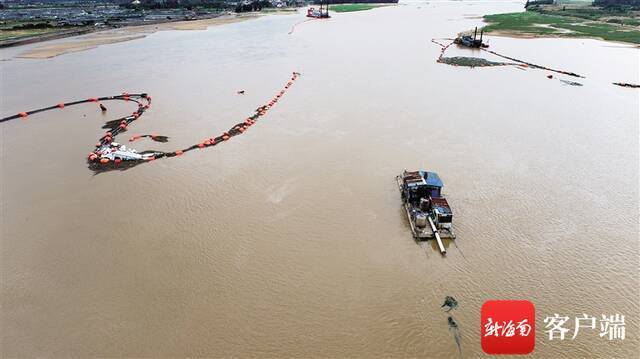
17	34
353	7
14	30
471	61
577	21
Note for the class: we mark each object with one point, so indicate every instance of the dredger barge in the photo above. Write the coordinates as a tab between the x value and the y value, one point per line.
321	13
427	210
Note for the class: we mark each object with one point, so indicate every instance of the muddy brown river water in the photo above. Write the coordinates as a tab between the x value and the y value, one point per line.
290	240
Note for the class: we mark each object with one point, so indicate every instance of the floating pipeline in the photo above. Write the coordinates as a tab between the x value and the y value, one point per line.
442	50
453	61
625	84
534	65
293	28
110	155
570	83
124	97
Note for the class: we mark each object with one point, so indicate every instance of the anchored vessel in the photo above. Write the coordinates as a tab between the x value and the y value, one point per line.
427	210
471	41
321	13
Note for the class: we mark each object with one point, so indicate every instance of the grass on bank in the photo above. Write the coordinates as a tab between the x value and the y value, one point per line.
569	25
353	7
471	61
18	34
13	30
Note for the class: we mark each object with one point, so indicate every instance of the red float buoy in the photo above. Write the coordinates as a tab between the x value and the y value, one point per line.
104	161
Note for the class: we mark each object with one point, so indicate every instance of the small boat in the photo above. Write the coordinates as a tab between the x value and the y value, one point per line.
428	211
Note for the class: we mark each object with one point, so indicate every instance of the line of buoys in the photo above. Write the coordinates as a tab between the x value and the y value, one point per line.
443	48
63	105
108	153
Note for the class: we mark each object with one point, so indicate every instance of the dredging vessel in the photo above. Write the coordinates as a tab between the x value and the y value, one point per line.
471	41
320	13
428	211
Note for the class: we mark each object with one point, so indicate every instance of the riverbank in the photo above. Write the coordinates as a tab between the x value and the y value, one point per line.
112	36
579	21
10	38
